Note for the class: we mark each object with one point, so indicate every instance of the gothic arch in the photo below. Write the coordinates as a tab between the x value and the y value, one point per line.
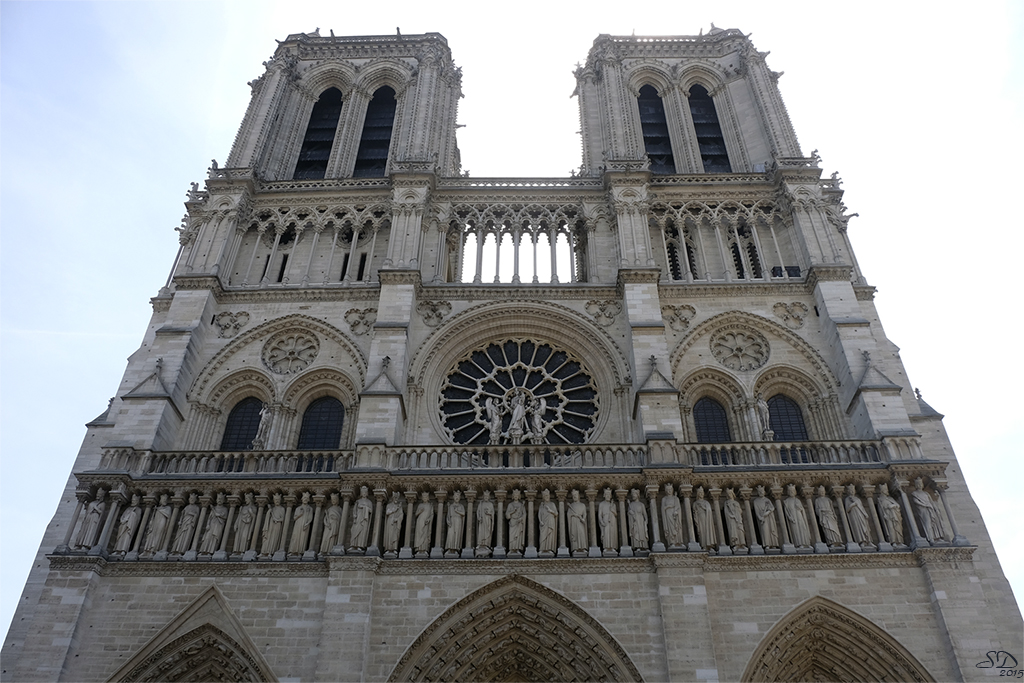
655	74
515	629
391	72
699	74
821	640
330	75
308	387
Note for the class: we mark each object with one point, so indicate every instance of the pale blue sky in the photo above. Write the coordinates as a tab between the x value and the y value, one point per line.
109	110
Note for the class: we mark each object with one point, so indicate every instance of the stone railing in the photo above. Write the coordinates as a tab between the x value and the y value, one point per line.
807	453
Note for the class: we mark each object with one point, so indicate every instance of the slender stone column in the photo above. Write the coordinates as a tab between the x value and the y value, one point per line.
657	545
723	542
917	538
531	525
278	231
438	550
479	255
812	519
852	546
66	545
257	529
787	545
346	505
552	241
147	509
499	522
116	499
406	552
176	502
869	493
563	548
595	550
281	554
470	525
940	487
517	235
193	549
373	549
222	549
625	548
356	233
312	250
748	516
691	540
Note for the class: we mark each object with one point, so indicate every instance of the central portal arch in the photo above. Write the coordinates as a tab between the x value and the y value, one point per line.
515	630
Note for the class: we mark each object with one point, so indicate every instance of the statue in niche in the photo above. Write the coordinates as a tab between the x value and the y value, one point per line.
393	516
547	513
826	514
244	524
362	513
703	517
637	515
494	412
424	522
537	410
515	513
484	523
796	515
763	415
577	523
858	517
764	511
734	520
608	520
215	527
672	518
273	527
927	513
517	428
263	431
332	526
456	519
127	525
302	520
892	515
186	525
158	526
89	532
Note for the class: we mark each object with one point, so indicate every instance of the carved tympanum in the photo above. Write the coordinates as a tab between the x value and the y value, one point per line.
740	349
290	352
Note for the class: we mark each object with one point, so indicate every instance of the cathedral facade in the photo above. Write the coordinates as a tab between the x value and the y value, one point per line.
390	422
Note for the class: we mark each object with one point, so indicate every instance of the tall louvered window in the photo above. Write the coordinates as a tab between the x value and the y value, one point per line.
319	139
655	131
786	419
321	425
372	157
242	425
710	419
709	132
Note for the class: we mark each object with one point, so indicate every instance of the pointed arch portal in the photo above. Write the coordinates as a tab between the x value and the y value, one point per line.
823	641
515	630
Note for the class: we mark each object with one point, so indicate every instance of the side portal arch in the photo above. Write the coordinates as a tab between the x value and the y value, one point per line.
515	630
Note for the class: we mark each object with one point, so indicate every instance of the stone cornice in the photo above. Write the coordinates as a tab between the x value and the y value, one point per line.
638	275
681	290
478	292
823	273
565	565
864	292
399	277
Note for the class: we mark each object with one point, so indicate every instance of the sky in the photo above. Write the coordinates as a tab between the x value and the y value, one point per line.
109	110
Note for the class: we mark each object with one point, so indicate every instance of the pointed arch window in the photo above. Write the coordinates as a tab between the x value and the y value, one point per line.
321	425
786	419
654	127
710	419
319	140
372	157
710	140
242	425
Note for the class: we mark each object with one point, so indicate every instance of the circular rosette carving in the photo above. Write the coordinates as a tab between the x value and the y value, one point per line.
288	353
740	349
517	392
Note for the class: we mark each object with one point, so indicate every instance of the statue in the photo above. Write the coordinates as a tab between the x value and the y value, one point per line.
927	513
89	533
703	517
493	420
537	409
734	520
129	522
764	510
892	515
186	525
362	513
763	414
302	520
672	518
858	517
796	515
515	513
547	513
517	428
826	514
577	523
332	526
393	516
637	517
244	524
484	523
214	527
158	526
456	520
273	527
608	520
263	431
424	522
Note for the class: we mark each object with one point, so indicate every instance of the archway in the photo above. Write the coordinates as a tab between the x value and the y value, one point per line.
515	630
823	641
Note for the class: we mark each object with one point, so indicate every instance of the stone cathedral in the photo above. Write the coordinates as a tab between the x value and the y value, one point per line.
390	422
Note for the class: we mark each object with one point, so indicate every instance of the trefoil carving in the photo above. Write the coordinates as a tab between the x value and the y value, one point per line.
792	314
433	312
228	324
361	321
604	312
678	317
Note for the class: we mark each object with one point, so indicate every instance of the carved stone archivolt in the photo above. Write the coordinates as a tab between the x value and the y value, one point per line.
678	317
519	391
740	349
791	314
203	654
228	324
515	630
290	352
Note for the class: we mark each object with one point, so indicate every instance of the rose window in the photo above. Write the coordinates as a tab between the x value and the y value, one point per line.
519	392
290	352
740	350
